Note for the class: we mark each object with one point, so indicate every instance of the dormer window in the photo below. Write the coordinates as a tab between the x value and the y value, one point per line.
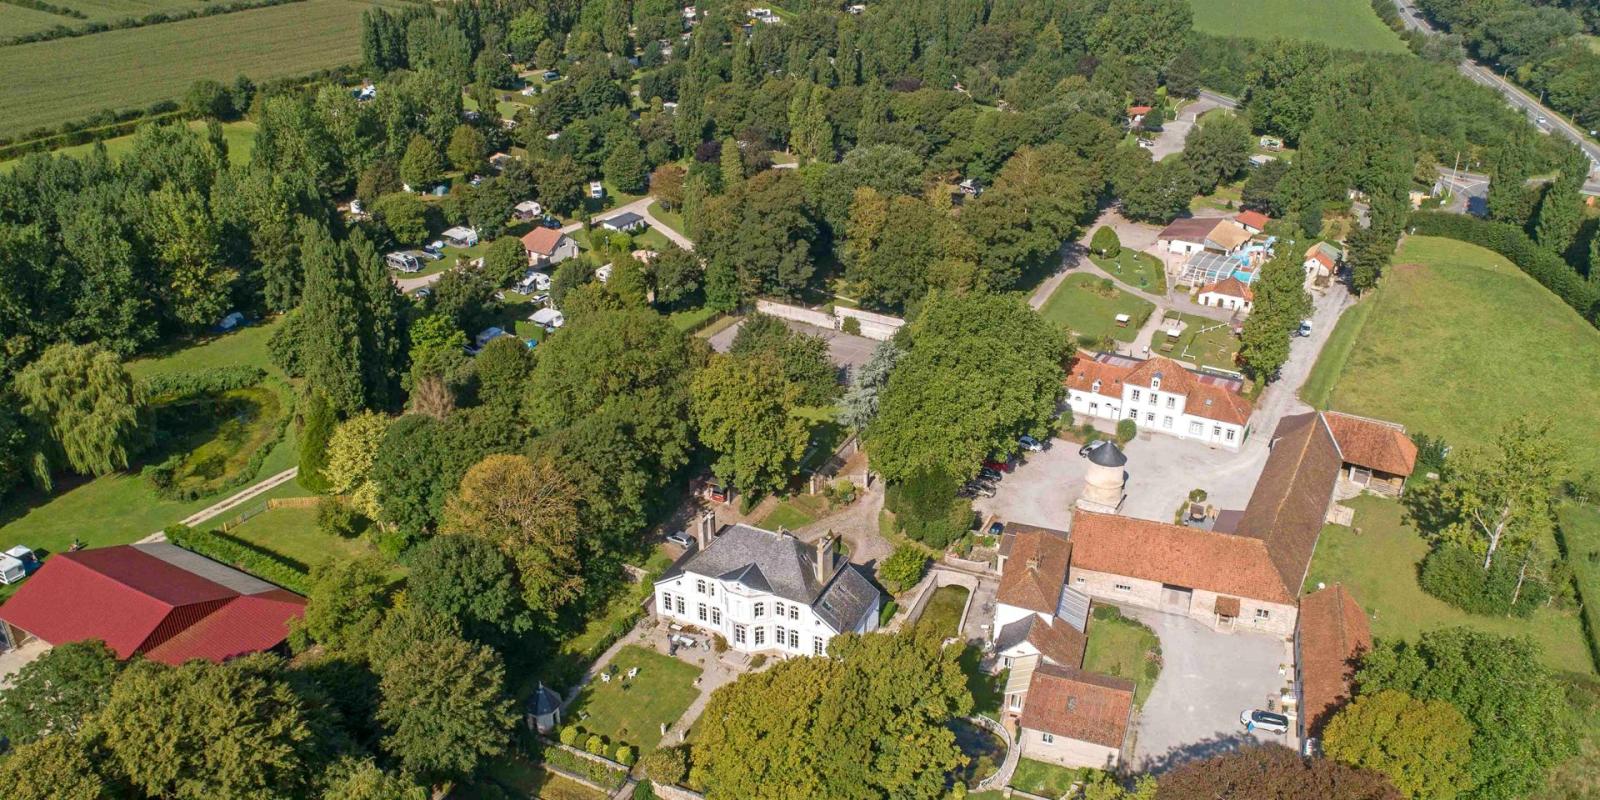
1155	381
1095	387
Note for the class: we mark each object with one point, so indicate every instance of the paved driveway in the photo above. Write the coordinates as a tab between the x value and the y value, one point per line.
1170	139
13	660
848	350
1207	678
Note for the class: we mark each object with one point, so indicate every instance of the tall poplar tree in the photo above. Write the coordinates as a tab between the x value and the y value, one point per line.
330	321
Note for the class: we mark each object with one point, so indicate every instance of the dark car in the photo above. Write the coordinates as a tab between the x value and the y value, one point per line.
1264	721
997	528
988	473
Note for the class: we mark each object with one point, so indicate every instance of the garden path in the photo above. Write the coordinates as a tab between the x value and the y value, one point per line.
230	503
858	524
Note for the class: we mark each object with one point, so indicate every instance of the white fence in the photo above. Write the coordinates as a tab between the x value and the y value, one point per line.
873	326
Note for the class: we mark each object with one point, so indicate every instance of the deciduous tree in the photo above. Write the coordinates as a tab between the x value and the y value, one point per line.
744	412
351	452
58	693
527	509
444	708
55	768
1422	746
346	604
87	404
1272	772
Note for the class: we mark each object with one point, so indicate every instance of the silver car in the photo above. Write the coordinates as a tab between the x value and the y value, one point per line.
1256	719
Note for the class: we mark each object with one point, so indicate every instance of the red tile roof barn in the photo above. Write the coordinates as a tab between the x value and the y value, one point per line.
1333	633
1160	551
1036	568
1290	502
542	240
1253	219
139	601
1078	705
1380	446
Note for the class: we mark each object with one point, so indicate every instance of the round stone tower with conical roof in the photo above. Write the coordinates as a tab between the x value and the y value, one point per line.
1103	485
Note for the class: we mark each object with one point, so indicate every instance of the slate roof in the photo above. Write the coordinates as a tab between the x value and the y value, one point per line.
1058	642
624	220
1334	632
1105	453
1036	567
1381	446
156	599
780	564
1078	705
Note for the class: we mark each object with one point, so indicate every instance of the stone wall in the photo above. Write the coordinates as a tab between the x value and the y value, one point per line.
817	318
873	326
670	792
1068	752
1280	619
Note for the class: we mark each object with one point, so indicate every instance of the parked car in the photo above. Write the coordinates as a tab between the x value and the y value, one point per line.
424	293
989	474
1305	327
551	222
433	250
973	489
717	493
1030	444
997	528
1000	466
1256	719
680	539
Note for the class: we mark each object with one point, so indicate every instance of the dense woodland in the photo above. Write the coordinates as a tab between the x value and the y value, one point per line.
514	484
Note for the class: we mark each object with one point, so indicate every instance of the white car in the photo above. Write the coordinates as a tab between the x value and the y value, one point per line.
1256	719
1030	444
680	539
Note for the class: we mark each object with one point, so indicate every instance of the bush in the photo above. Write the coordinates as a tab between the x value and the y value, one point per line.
887	612
316	428
903	568
198	382
667	765
719	645
242	555
758	660
598	772
1126	430
596	744
1105	242
569	735
1197	495
927	509
1431	452
842	492
336	518
1455	575
851	325
624	755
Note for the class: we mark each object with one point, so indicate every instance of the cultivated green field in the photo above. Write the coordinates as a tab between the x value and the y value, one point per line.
1349	24
1458	341
17	21
48	83
107	10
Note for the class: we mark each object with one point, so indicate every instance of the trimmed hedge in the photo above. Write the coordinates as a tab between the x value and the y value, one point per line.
202	381
1549	269
239	554
561	757
153	18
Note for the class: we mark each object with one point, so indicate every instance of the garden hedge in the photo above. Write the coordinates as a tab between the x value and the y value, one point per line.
1549	269
242	555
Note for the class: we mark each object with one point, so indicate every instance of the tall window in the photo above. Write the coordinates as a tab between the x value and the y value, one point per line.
738	634
666	602
1135	395
702	612
711	589
761	611
794	639
777	608
679	600
716	617
816	645
780	636
761	636
1172	402
1015	702
700	587
1230	435
1166	422
1195	429
794	612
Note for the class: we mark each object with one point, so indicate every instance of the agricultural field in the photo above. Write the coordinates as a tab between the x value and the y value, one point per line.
1448	329
108	10
48	83
1348	24
19	21
240	137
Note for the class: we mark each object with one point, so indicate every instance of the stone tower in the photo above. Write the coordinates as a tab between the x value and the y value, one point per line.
1103	485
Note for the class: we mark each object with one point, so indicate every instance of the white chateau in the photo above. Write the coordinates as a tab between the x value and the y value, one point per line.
766	591
1159	395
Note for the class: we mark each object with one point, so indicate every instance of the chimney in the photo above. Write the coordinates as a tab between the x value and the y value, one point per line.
705	527
1033	563
825	547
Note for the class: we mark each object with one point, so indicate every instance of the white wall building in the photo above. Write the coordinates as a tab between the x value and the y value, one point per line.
1160	395
767	592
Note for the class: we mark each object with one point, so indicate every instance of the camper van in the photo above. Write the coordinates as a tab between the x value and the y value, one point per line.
404	262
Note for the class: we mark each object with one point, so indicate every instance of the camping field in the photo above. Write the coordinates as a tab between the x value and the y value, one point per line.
1455	342
1349	24
48	83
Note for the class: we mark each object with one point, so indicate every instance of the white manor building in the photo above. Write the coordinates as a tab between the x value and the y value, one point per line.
1160	395
767	592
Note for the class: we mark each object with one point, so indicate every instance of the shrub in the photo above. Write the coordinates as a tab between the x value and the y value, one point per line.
599	772
842	491
242	555
1105	242
625	755
667	765
596	744
336	518
851	325
903	568
316	429
1455	574
758	660
959	791
1431	452
569	735
719	645
198	382
886	613
1197	495
1126	430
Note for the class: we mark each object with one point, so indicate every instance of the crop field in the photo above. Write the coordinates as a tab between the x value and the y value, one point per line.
17	21
107	10
1348	24
48	83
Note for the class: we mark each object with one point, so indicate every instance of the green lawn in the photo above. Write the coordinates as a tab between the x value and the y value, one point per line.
1226	198
243	347
1204	341
1123	648
1580	543
517	777
1377	561
691	318
786	515
633	711
671	219
1348	24
1037	777
240	137
1139	270
293	532
48	83
1450	330
988	691
943	611
20	21
1330	362
1084	305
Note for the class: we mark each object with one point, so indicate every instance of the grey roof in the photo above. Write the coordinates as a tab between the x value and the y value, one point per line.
213	571
623	220
849	596
544	701
1073	608
780	564
1105	452
1014	633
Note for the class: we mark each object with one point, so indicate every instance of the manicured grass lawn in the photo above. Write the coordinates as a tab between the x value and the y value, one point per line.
245	347
1204	341
1347	24
652	239
293	532
988	691
1037	777
1451	329
1123	648
943	611
633	711
691	318
48	83
1139	270
671	219
786	515
1225	199
1330	362
1084	306
1379	566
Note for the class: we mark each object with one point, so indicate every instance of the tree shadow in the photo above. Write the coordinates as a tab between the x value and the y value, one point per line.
1197	751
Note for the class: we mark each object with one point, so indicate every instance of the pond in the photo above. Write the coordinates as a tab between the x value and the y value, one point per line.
985	751
216	435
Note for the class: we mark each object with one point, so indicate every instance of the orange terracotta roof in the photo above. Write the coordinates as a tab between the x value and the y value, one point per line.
1036	567
1134	111
1174	377
1226	606
1160	551
1290	501
1254	219
1085	371
1333	633
1230	286
1379	446
1323	259
1217	403
1078	705
542	240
